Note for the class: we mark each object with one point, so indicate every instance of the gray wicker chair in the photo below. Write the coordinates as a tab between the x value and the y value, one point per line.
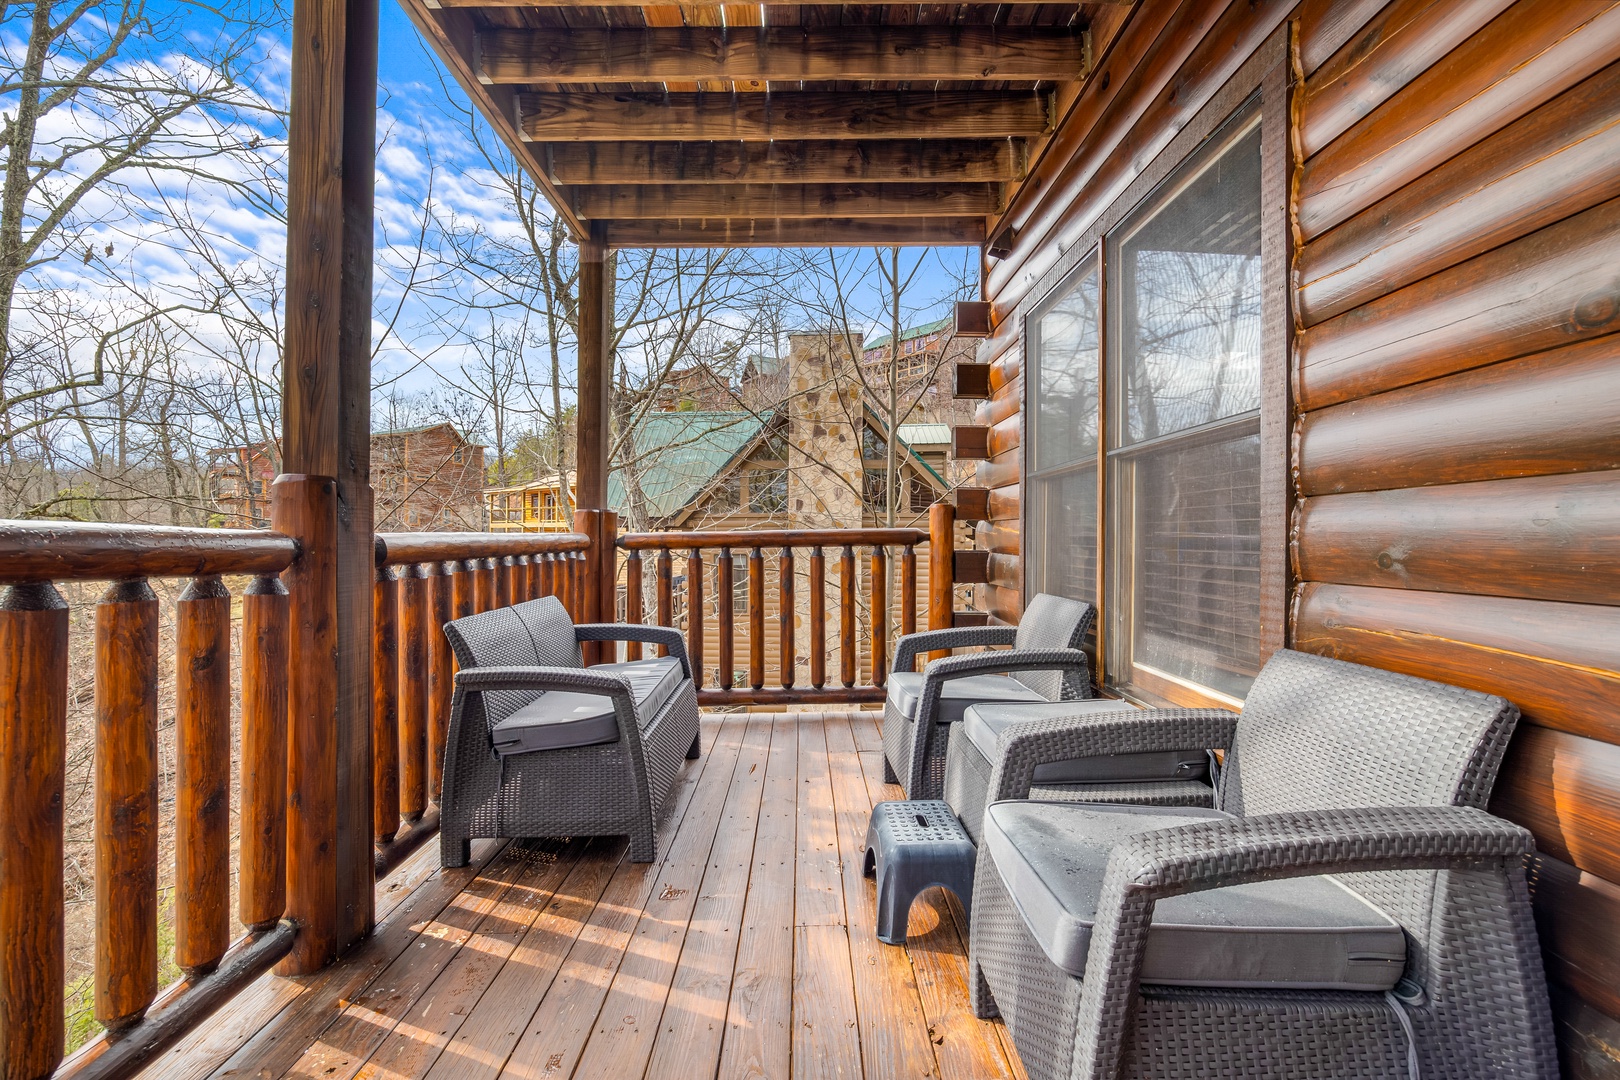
1045	664
1334	769
541	746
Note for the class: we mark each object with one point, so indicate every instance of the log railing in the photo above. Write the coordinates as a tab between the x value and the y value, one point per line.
874	579
423	581
34	556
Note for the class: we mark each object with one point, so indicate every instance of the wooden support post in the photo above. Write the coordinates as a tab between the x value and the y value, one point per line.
387	693
126	824
33	757
202	783
591	523
595	374
941	569
265	608
324	499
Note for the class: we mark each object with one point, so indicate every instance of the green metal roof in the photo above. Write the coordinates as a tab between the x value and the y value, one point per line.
908	333
679	454
925	434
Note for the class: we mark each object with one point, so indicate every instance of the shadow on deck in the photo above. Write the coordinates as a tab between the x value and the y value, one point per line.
747	949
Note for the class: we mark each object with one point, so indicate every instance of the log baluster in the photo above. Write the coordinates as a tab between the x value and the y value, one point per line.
441	672
525	578
694	614
265	613
879	585
417	695
202	782
785	619
818	618
725	606
665	573
503	581
126	819
756	618
387	692
908	589
484	577
33	757
941	570
846	616
632	600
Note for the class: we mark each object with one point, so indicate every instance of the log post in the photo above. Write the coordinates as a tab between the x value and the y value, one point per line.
202	783
324	498
818	617
878	584
441	671
786	614
417	690
588	604
386	697
632	600
756	618
725	607
595	374
941	569
846	616
126	823
33	756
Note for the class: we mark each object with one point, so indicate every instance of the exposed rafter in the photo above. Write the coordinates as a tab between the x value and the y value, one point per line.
784	200
812	232
832	161
781	53
585	117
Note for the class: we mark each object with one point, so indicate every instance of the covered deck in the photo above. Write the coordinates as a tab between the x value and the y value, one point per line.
746	949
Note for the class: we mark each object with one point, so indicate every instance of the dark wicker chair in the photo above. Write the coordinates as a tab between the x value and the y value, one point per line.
541	746
1045	664
1177	943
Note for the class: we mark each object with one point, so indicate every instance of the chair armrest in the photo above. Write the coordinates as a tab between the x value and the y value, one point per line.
576	680
1130	731
961	637
666	636
1151	866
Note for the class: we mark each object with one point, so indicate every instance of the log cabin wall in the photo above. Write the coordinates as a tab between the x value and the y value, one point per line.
1453	503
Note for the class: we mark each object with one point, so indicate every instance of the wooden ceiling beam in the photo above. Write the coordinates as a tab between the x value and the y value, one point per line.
956	114
787	53
432	4
824	162
801	232
784	200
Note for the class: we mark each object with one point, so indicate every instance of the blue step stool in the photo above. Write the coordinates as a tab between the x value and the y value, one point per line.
911	846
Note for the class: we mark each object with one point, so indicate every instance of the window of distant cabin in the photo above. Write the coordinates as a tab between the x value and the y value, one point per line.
1183	432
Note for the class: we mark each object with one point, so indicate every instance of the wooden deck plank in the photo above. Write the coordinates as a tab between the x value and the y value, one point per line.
748	949
553	1042
692	1028
362	1025
426	1028
758	1040
630	1018
966	1047
818	892
893	1029
826	1038
282	1040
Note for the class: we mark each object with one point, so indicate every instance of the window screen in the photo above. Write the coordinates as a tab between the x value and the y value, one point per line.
1185	300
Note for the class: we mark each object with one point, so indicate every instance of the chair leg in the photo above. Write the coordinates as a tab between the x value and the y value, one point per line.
454	850
643	846
696	747
979	996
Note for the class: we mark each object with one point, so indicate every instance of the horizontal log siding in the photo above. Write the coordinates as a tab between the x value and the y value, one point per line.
1457	371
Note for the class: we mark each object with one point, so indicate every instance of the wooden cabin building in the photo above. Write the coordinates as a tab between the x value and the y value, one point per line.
1300	327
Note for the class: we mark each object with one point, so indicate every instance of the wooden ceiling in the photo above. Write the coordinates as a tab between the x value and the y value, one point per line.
738	124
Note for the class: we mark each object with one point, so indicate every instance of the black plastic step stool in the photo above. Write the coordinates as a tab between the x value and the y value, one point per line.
911	846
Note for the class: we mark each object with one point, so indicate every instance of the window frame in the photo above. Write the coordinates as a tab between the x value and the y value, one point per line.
1263	79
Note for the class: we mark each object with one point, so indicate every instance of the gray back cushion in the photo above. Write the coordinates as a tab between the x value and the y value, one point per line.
536	633
1054	622
1322	734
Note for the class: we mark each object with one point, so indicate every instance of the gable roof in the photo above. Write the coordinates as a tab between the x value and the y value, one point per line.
908	333
679	454
925	434
876	420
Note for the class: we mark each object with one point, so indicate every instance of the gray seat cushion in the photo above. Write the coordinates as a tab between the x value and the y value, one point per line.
984	723
1301	933
561	719
905	692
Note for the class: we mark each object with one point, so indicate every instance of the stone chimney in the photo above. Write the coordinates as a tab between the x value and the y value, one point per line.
824	439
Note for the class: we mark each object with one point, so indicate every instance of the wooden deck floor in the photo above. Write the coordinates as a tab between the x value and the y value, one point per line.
747	949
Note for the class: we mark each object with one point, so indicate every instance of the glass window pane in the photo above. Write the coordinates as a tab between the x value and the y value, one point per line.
1065	555
1189	525
1065	357
1188	307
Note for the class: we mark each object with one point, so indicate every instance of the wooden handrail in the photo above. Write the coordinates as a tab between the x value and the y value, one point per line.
95	551
751	538
397	549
